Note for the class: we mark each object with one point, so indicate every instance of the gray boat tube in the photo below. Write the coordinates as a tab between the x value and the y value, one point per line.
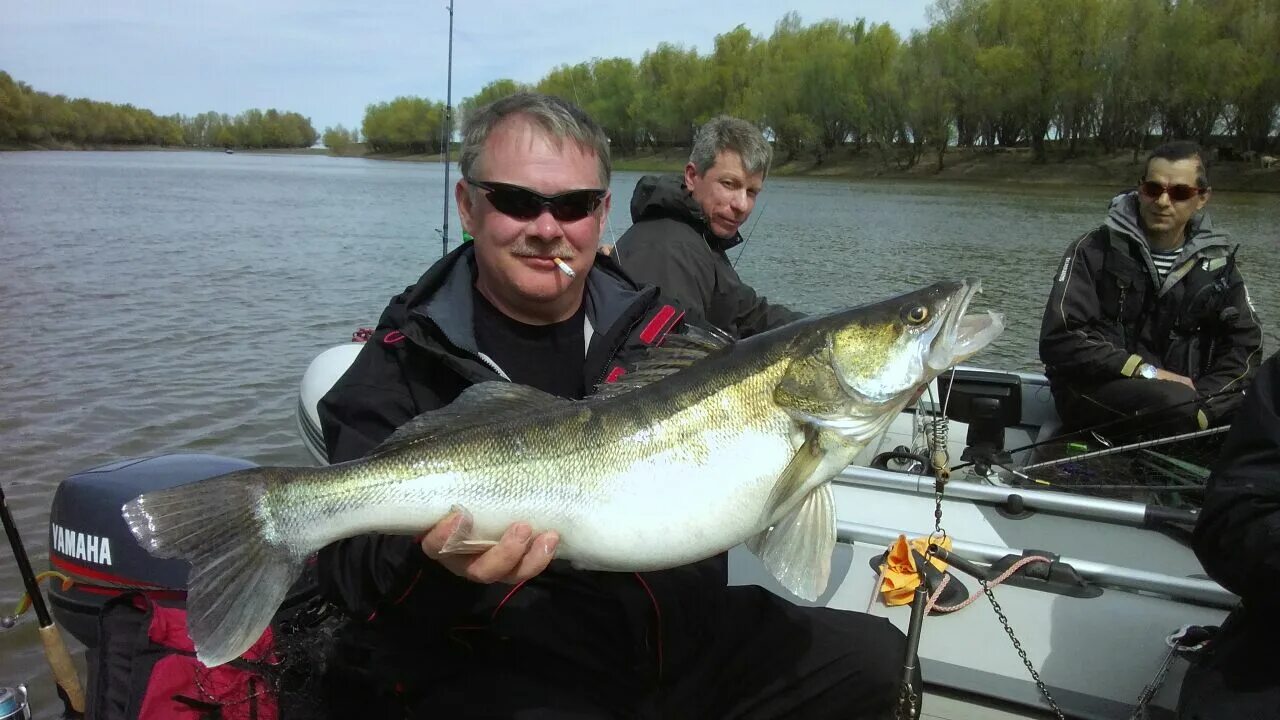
1195	590
1018	499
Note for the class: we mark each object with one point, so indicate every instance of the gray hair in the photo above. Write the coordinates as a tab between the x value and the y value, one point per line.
729	133
558	118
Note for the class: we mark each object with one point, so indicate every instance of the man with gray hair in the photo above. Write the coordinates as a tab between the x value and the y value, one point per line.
511	631
684	224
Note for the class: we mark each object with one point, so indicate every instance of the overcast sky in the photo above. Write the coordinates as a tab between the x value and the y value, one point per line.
328	59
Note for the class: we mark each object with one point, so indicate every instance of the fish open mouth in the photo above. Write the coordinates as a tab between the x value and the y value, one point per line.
962	335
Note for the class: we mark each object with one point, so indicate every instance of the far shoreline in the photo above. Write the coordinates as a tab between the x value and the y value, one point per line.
968	165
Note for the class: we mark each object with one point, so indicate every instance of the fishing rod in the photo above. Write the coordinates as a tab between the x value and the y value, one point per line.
448	135
55	651
759	215
750	232
1126	448
1109	423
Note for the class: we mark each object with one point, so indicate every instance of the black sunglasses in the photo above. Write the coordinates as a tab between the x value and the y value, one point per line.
522	203
1177	193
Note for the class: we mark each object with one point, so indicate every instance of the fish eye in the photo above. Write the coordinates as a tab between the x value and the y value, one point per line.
916	315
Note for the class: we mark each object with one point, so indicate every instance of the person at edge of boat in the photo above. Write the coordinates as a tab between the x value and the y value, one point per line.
513	632
1237	538
683	226
1148	313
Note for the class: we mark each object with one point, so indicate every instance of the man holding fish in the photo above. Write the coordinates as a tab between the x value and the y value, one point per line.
550	542
570	640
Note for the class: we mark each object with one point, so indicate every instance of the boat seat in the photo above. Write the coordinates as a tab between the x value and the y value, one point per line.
1051	428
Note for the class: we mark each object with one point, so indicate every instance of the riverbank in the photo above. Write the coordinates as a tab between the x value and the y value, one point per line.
73	147
978	165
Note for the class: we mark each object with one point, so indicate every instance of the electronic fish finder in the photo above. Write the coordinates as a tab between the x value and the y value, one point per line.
989	402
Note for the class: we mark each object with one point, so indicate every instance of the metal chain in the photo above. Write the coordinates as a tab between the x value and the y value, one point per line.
936	437
941	472
1044	690
1149	692
906	700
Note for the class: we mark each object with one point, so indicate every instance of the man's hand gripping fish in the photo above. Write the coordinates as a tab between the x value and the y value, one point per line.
726	443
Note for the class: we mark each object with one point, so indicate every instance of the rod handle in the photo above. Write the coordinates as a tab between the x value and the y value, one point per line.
64	671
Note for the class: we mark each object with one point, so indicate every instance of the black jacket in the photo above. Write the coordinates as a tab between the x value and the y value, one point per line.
1237	536
422	355
670	245
1107	313
1237	539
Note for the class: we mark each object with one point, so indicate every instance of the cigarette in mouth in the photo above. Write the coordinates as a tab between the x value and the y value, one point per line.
564	268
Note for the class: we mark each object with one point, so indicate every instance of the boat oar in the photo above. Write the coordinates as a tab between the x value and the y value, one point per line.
64	672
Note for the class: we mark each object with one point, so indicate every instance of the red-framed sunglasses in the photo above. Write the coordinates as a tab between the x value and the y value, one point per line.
522	203
1178	193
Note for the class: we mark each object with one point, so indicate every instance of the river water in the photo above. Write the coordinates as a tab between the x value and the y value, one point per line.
155	302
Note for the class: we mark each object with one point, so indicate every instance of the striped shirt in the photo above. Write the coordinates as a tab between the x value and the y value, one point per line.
1164	261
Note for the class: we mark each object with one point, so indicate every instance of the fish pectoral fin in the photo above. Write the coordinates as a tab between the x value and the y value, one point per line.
466	547
477	406
794	476
797	550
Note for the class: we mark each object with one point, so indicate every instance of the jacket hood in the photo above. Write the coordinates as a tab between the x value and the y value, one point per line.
1123	217
665	196
1124	220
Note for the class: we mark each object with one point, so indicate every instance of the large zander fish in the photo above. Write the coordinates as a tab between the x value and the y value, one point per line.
704	446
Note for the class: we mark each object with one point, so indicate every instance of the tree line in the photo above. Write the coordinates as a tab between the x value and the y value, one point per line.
406	124
1071	76
33	117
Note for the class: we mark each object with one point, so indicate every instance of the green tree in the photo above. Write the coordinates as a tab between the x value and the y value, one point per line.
666	105
495	90
337	139
926	89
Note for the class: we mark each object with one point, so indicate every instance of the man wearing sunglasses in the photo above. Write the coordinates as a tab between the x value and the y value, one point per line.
685	224
512	632
1148	314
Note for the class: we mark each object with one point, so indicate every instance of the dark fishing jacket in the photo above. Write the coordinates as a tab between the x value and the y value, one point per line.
1107	311
670	245
421	356
1237	536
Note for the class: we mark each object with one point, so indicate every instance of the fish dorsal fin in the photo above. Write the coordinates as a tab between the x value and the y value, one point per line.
677	352
481	404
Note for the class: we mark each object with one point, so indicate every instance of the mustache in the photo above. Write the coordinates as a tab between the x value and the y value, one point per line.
526	249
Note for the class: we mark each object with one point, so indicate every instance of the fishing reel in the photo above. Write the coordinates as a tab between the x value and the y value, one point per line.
13	703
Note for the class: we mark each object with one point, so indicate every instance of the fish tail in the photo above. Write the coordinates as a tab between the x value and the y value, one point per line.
240	570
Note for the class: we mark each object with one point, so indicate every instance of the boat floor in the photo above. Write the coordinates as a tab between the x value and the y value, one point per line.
947	704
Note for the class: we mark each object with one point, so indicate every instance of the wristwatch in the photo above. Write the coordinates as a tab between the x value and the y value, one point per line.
1147	370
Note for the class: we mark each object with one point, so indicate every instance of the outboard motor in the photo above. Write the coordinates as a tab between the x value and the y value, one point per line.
90	542
321	375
